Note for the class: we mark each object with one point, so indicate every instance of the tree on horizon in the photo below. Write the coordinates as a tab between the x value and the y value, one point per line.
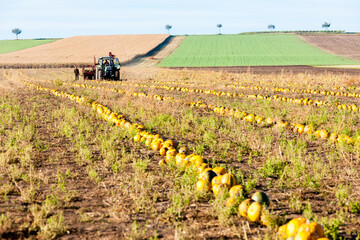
219	26
16	31
326	25
271	27
168	27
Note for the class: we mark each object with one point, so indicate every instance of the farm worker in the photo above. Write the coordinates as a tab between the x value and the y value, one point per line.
76	72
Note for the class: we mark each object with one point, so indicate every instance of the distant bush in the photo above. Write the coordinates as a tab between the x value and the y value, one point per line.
300	32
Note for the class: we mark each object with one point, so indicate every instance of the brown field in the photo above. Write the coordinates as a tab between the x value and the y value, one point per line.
67	173
342	44
83	49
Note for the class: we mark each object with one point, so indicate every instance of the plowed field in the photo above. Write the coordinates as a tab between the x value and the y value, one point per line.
346	45
83	49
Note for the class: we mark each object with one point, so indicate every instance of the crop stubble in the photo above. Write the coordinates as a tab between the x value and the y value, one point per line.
83	49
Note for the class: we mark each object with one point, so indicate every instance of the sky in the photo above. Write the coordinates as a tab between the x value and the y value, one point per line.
66	18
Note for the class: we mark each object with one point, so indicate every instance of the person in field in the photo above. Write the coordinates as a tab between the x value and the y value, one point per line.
76	73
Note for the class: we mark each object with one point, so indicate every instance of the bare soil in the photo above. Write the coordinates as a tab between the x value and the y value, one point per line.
342	44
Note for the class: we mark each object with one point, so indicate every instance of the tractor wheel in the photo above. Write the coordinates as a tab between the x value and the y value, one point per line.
117	75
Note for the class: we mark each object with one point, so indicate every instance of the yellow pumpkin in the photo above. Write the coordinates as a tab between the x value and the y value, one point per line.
196	160
293	226
312	227
219	189
299	128
156	145
148	141
163	151
184	150
219	170
254	212
270	120
216	180
282	231
305	235
236	191
324	134
244	206
170	155
250	118
309	129
202	167
179	158
207	175
203	186
317	133
162	162
169	143
137	138
231	202
333	138
229	179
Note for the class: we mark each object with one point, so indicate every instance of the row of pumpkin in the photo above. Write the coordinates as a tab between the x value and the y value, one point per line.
308	129
216	179
198	79
273	88
300	101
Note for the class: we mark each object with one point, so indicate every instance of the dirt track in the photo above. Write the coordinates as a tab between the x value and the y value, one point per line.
345	44
159	53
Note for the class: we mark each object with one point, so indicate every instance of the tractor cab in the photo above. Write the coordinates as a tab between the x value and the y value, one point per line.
108	68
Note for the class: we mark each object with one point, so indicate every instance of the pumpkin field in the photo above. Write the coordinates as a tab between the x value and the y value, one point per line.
179	154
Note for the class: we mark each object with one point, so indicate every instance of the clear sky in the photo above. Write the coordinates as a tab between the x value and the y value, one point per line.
65	18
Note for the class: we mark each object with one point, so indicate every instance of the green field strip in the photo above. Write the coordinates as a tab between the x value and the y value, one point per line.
250	50
7	46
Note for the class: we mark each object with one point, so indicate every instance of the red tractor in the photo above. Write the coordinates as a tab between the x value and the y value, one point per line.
104	68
